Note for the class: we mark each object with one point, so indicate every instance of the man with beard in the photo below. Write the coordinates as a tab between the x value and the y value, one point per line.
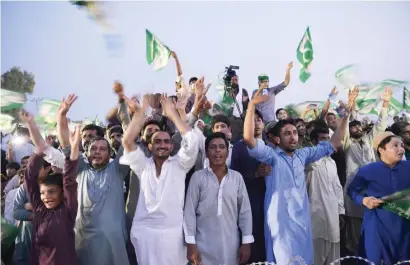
288	230
304	140
158	221
402	129
253	173
100	231
359	151
216	208
114	135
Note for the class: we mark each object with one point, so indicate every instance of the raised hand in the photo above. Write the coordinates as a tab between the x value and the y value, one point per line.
174	55
334	91
200	89
387	94
167	105
258	98
133	106
75	137
66	104
352	98
118	89
25	116
290	65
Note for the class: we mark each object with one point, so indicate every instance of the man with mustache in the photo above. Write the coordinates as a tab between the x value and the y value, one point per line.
158	220
288	230
358	148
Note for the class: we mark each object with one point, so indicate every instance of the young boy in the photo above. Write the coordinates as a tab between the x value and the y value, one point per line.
54	201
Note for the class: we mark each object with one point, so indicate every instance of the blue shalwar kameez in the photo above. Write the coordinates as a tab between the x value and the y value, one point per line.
384	234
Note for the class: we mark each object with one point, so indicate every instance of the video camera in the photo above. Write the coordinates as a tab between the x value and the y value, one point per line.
229	73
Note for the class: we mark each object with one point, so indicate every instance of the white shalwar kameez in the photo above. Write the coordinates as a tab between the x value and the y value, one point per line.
214	213
157	228
326	204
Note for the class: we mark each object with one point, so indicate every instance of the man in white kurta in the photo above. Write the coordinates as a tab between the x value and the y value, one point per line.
157	228
214	212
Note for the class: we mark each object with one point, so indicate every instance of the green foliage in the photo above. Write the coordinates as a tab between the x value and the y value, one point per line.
291	110
18	81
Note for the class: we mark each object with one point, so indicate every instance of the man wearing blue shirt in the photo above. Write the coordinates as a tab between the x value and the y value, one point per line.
288	232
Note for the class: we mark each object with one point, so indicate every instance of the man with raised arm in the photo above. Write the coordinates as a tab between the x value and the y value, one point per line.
100	232
288	232
158	220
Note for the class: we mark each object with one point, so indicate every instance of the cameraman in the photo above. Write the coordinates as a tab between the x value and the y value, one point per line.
236	119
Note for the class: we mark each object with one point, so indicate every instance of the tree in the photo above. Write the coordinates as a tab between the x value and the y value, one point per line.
18	81
292	112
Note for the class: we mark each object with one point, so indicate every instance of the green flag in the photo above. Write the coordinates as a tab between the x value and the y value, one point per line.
157	53
347	76
6	123
406	99
12	100
398	203
48	110
304	53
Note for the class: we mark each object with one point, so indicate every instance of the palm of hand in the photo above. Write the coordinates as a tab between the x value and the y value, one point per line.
387	95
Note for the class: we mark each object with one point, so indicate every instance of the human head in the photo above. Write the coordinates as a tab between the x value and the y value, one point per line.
161	145
216	147
355	129
235	79
89	132
286	135
220	123
51	190
24	161
192	82
269	131
402	129
24	133
319	134
263	81
150	127
300	126
259	124
99	152
11	169
45	170
331	121
115	134
389	147
245	95
281	114
396	119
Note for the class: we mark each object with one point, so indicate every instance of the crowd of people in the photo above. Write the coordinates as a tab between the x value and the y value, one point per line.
253	185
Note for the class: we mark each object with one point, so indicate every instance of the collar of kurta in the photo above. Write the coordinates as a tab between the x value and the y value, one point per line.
211	171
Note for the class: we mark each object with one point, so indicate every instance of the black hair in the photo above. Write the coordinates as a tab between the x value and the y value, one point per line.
93	127
258	114
220	118
279	125
314	134
192	80
299	120
53	179
115	129
278	110
23	131
13	165
24	158
245	92
398	127
216	135
46	164
100	139
354	123
318	123
383	143
151	122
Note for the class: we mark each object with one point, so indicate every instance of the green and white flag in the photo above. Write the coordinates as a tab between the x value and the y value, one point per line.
6	123
398	203
157	53
406	99
48	110
12	100
304	53
347	76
